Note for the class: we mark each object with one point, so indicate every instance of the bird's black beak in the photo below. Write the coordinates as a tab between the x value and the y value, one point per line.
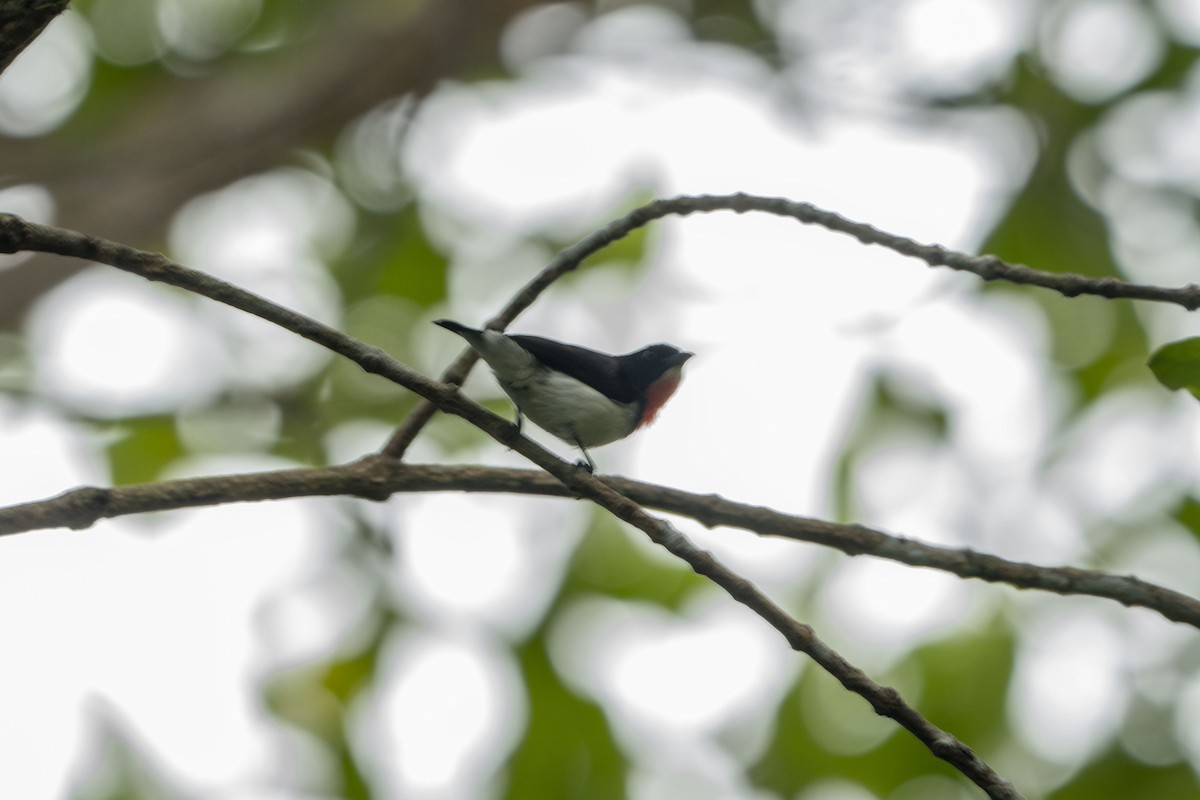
679	359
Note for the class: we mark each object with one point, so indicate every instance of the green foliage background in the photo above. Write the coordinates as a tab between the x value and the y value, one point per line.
568	749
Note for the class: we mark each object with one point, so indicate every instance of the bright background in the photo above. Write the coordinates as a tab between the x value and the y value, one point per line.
448	646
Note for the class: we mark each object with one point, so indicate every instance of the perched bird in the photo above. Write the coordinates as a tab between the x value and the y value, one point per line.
581	396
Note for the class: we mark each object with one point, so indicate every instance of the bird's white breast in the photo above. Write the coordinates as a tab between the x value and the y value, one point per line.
572	410
557	403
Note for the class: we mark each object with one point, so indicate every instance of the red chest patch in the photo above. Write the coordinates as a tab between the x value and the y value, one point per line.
659	392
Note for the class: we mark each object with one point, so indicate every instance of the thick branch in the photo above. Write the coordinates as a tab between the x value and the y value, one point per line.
16	234
377	478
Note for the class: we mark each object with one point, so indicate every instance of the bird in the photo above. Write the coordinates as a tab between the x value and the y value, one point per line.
584	397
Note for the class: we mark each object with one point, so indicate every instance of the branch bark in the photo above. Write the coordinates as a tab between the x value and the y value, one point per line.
379	477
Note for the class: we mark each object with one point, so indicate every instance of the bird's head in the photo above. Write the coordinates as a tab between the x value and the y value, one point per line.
655	372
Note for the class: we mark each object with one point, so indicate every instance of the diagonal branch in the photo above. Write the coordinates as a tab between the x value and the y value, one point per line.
885	700
380	477
17	234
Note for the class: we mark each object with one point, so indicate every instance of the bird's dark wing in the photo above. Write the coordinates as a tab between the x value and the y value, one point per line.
599	371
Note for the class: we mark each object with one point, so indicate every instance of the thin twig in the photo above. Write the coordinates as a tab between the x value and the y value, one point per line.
989	268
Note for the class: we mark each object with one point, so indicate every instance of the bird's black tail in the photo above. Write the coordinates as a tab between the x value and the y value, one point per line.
455	327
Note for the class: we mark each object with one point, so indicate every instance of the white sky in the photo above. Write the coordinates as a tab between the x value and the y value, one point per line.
788	323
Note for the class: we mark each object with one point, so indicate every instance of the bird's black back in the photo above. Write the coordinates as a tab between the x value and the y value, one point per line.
597	370
623	378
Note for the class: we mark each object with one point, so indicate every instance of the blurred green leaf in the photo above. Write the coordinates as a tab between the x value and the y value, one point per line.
1052	227
315	698
297	697
1049	225
120	770
16	370
1120	364
568	752
1175	67
892	404
1177	365
345	678
413	268
628	255
609	562
1118	775
454	436
393	257
147	446
795	758
1083	329
965	680
628	252
787	765
734	22
1187	513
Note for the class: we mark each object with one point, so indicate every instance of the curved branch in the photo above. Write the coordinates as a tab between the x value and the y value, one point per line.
17	234
378	478
989	268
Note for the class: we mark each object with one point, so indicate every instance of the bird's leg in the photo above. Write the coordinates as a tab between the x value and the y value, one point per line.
589	465
520	418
